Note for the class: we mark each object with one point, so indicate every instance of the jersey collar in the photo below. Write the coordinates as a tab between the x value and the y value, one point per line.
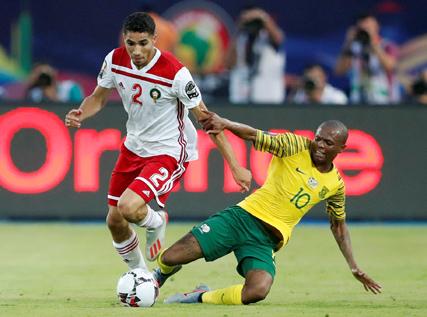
147	67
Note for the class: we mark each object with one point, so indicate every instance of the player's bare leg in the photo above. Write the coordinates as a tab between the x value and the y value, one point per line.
187	249
170	261
134	209
257	286
125	240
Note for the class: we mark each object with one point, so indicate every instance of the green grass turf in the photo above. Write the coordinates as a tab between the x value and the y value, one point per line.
72	270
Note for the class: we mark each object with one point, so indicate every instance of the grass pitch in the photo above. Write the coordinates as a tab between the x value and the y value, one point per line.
72	270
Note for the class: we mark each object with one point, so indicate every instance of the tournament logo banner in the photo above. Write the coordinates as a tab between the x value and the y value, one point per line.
205	30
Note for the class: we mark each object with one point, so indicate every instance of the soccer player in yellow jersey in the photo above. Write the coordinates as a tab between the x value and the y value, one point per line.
300	175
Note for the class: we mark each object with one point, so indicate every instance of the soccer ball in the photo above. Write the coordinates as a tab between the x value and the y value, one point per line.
137	288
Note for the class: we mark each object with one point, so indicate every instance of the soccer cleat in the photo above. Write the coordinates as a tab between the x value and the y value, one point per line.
188	298
161	277
156	238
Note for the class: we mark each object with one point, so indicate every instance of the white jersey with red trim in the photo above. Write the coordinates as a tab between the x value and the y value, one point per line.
157	99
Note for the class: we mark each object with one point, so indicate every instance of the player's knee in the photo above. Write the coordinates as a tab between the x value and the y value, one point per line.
126	209
110	221
115	222
255	293
167	258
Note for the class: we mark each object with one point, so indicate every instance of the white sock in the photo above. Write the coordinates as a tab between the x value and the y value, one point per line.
151	220
131	253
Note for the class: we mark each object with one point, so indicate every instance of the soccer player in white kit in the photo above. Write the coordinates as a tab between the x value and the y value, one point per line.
157	92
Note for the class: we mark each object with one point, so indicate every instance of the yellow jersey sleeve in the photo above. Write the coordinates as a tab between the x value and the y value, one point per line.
281	145
335	204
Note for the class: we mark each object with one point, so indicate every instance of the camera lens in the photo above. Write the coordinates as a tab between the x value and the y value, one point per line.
44	80
362	37
419	87
309	84
253	26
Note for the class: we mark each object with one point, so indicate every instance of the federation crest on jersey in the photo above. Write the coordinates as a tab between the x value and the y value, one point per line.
155	94
312	182
323	192
191	90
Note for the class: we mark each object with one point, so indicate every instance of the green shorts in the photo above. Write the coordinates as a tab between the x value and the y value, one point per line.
236	230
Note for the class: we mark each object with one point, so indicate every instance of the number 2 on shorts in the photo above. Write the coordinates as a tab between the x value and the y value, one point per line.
163	174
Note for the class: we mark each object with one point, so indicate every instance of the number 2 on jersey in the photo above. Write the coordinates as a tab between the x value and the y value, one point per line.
138	92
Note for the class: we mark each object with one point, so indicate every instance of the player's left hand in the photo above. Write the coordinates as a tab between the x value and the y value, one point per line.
243	178
212	123
368	283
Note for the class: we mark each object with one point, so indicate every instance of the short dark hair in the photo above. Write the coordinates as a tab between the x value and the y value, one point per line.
364	16
139	22
310	66
339	127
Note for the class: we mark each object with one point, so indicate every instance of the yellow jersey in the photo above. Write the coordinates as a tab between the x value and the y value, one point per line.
293	185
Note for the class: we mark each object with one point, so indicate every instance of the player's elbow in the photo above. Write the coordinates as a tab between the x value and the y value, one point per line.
338	228
334	225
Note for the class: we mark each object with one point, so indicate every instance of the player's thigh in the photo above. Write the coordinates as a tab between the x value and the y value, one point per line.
257	251
217	236
256	261
185	250
127	168
157	178
130	201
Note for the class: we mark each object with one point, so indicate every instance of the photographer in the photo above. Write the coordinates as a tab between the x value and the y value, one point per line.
314	88
370	61
42	86
418	89
256	60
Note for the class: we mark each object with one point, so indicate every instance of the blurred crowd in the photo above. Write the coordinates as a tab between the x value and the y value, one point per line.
255	68
256	62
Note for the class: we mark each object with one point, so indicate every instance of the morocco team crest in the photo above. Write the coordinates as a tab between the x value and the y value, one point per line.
155	94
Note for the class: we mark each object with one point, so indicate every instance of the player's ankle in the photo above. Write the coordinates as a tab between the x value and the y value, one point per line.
151	220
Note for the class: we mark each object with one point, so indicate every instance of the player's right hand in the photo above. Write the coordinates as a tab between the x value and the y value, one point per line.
368	283
72	118
243	177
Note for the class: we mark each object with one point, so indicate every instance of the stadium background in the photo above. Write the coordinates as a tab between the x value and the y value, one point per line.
387	167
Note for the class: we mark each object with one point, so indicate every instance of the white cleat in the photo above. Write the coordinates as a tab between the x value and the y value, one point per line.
192	297
156	238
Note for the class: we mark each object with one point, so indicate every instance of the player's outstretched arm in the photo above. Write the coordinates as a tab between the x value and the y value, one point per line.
212	123
89	107
342	236
241	175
